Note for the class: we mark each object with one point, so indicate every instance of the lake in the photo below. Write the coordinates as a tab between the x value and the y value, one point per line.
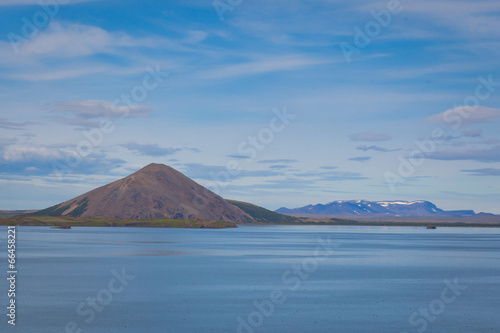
255	279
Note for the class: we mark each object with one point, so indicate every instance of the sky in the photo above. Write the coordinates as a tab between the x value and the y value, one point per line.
278	103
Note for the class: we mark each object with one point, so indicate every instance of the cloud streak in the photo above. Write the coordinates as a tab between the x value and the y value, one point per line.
483	172
266	65
14	125
488	155
61	40
465	116
86	113
42	160
376	148
361	159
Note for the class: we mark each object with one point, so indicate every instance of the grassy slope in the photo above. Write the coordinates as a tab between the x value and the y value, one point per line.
263	215
28	220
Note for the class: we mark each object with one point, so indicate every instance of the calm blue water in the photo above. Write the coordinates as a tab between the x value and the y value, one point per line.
366	279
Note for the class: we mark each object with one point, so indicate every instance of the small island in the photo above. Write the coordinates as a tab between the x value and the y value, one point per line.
62	226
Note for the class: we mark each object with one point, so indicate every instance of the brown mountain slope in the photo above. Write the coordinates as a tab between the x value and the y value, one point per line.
154	191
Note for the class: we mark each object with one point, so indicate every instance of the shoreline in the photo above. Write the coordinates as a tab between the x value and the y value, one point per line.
58	222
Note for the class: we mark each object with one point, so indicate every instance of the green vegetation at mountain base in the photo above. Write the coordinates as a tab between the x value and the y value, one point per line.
262	215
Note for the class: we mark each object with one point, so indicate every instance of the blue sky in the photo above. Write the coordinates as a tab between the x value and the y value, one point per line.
279	103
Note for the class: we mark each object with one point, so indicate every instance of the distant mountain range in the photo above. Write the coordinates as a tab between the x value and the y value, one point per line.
159	191
379	208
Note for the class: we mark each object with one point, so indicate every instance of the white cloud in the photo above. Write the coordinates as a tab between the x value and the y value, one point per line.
49	159
74	50
86	112
266	65
18	153
465	115
76	40
195	36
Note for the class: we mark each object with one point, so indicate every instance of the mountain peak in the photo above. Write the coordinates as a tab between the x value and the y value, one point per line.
156	166
156	190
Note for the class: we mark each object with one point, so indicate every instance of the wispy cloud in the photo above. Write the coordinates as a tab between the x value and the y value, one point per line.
483	172
86	113
22	153
465	115
260	66
375	148
279	166
240	157
68	40
195	36
14	125
361	159
328	167
488	155
41	160
86	50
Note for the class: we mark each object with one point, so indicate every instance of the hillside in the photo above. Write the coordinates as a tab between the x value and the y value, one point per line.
155	191
262	215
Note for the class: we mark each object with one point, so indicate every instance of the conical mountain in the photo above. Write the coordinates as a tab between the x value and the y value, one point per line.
154	191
